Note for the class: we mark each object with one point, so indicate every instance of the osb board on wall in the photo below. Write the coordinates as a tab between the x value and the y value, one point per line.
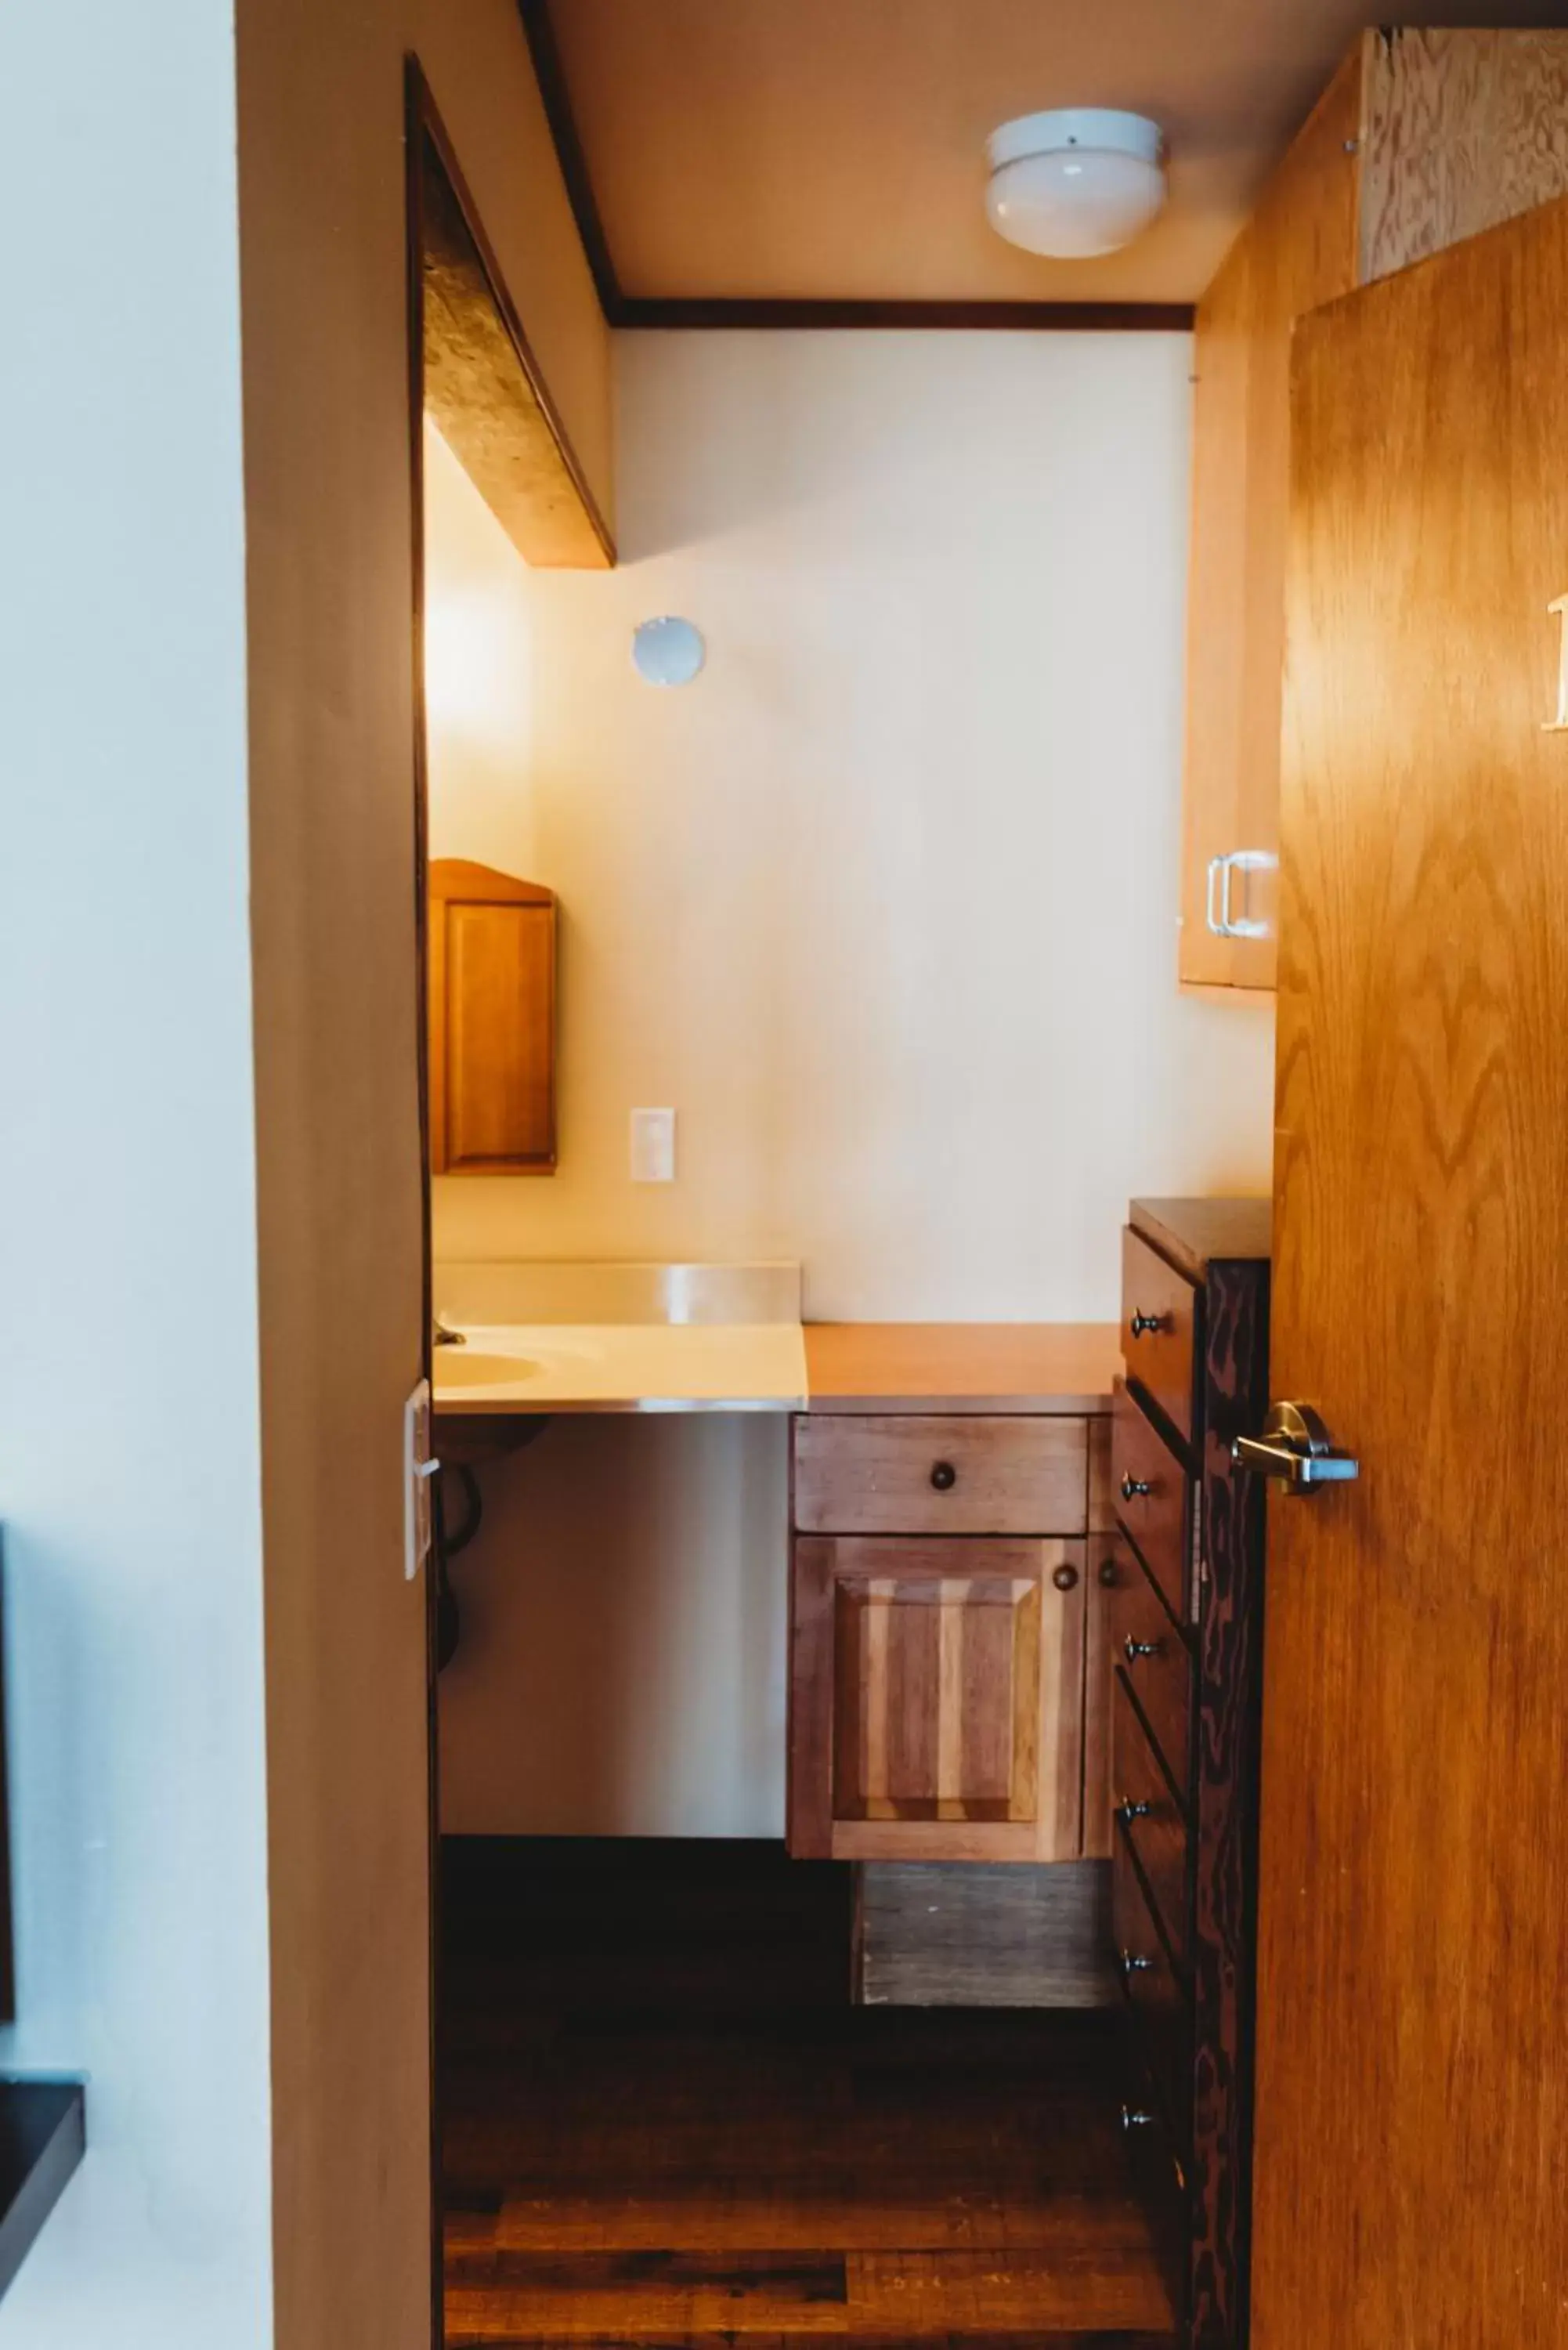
481	395
1460	130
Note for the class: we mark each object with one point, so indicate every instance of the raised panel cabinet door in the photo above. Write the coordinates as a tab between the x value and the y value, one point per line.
492	1023
1298	250
937	1698
1412	2083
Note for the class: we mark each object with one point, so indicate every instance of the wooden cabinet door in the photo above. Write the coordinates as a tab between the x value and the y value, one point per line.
492	1023
937	1696
1298	250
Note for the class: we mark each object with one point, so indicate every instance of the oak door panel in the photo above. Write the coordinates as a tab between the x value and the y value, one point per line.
937	1698
1412	2099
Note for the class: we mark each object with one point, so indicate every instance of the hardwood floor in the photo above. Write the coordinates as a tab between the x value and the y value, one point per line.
666	2126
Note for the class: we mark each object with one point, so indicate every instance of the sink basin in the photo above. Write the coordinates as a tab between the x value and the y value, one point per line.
463	1366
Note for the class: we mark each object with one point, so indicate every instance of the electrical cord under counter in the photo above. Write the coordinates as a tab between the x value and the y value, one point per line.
449	1621
449	1539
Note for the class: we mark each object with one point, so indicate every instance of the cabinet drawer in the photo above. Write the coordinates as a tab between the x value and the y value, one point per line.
1160	1309
1150	1820
1152	1658
1156	1998
1154	1502
956	1476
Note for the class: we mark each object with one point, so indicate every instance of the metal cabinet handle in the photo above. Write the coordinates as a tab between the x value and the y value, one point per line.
1133	2118
1135	1488
1132	1650
1130	1809
1221	870
1131	1964
1143	1324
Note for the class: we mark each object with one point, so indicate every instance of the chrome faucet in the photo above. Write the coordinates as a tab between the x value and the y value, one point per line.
442	1336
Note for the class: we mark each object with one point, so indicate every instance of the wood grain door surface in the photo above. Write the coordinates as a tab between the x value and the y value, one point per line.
1412	2152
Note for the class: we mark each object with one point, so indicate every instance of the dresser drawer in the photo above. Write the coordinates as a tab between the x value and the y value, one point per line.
1149	1819
1152	1658
1160	1309
953	1476
1154	1502
1156	1997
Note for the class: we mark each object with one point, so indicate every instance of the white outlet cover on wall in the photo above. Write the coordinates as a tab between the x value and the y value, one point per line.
653	1145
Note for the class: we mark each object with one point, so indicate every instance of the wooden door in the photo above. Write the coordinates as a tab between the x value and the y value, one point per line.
1412	2125
938	1698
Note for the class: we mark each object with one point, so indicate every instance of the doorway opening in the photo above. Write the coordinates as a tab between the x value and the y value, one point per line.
689	2088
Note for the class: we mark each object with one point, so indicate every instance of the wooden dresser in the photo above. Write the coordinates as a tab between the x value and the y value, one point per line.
1186	1667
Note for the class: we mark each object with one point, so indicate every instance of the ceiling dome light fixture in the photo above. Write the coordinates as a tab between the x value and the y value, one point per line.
1082	180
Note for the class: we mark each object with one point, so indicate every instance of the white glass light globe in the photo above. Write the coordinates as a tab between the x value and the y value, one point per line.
1076	182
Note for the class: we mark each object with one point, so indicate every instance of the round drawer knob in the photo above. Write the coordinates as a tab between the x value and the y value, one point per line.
1132	1650
944	1476
1108	1573
1143	1325
1065	1577
1135	1488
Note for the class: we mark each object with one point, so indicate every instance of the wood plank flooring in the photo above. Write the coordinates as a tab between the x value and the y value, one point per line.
666	2126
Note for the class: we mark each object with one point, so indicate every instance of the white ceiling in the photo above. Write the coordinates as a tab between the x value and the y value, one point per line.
835	148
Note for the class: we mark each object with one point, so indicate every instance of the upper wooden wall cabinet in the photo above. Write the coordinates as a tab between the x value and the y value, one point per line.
1422	138
492	1000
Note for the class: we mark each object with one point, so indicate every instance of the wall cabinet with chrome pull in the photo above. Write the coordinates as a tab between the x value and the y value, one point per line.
1182	1674
1422	138
942	1578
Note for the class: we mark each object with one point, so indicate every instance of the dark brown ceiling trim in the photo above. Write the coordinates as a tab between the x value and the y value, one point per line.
551	80
1051	317
623	309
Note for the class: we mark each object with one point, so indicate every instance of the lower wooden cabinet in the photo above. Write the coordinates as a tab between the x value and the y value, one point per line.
938	1677
938	1697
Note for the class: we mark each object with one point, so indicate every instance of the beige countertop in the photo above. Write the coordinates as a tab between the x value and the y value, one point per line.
961	1367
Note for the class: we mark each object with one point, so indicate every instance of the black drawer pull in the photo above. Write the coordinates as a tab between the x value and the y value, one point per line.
1129	1810
1135	1488
1131	1964
944	1476
1145	1325
1064	1577
1132	2119
1132	1650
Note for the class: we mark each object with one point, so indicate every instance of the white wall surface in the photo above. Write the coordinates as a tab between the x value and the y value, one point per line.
128	1434
883	905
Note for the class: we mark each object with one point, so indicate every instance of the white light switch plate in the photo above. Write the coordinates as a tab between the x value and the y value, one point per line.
653	1145
419	1467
